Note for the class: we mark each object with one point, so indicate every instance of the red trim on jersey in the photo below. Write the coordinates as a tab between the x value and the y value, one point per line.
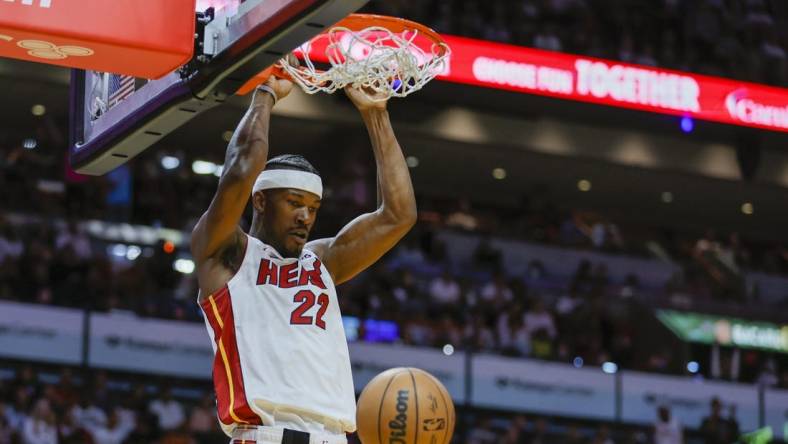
240	407
220	383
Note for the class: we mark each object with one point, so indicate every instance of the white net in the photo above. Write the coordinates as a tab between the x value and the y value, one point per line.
383	63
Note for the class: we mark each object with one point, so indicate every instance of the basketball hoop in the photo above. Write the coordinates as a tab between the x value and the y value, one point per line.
384	56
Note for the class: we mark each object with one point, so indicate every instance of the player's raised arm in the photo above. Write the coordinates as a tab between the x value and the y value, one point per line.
365	239
246	154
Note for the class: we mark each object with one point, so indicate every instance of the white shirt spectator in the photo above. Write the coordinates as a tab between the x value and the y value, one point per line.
74	237
106	435
89	417
445	290
539	319
118	427
493	291
16	419
521	341
36	431
668	432
9	248
170	413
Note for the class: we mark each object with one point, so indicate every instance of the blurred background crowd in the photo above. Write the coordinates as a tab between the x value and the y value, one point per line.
741	39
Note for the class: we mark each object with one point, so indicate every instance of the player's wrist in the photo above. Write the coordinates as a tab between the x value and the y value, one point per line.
266	90
373	111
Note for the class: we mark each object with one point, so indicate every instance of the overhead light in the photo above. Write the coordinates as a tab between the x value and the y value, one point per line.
667	197
499	173
687	124
30	143
38	110
203	167
609	368
185	266
693	367
227	136
168	247
412	161
218	171
448	349
577	362
133	252
747	208
119	250
170	162
584	185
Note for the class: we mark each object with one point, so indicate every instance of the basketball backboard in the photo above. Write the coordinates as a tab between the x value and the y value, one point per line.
115	117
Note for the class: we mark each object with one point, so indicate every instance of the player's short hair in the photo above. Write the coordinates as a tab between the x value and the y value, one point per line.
291	162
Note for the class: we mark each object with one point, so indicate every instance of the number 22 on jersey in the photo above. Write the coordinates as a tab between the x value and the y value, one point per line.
307	299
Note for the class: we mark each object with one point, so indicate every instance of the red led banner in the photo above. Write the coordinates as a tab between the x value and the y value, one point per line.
606	82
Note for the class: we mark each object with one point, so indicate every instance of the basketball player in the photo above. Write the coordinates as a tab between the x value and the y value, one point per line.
281	369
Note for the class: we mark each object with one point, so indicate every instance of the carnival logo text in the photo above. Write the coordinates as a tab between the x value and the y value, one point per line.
744	109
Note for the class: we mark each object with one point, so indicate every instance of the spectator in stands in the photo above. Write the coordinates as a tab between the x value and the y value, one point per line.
114	432
202	421
417	331
667	429
514	338
143	432
447	332
515	434
87	414
5	428
66	389
444	290
73	238
168	410
40	426
715	428
16	414
11	246
548	39
463	218
539	434
479	334
26	381
573	436
603	435
71	433
496	293
482	433
538	318
101	394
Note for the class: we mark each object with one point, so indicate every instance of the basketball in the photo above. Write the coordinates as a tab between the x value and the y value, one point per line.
405	405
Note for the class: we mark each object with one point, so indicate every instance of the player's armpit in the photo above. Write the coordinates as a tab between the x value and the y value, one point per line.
218	226
216	271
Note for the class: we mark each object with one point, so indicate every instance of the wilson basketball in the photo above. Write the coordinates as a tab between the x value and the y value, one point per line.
405	405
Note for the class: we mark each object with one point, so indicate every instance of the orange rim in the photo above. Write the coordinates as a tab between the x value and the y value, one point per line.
357	22
353	22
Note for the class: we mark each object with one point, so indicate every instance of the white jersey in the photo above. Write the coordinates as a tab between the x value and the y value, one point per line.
279	343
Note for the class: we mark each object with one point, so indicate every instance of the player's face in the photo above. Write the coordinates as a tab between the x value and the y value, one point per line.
288	218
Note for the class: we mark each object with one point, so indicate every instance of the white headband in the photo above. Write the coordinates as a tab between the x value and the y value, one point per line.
300	180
